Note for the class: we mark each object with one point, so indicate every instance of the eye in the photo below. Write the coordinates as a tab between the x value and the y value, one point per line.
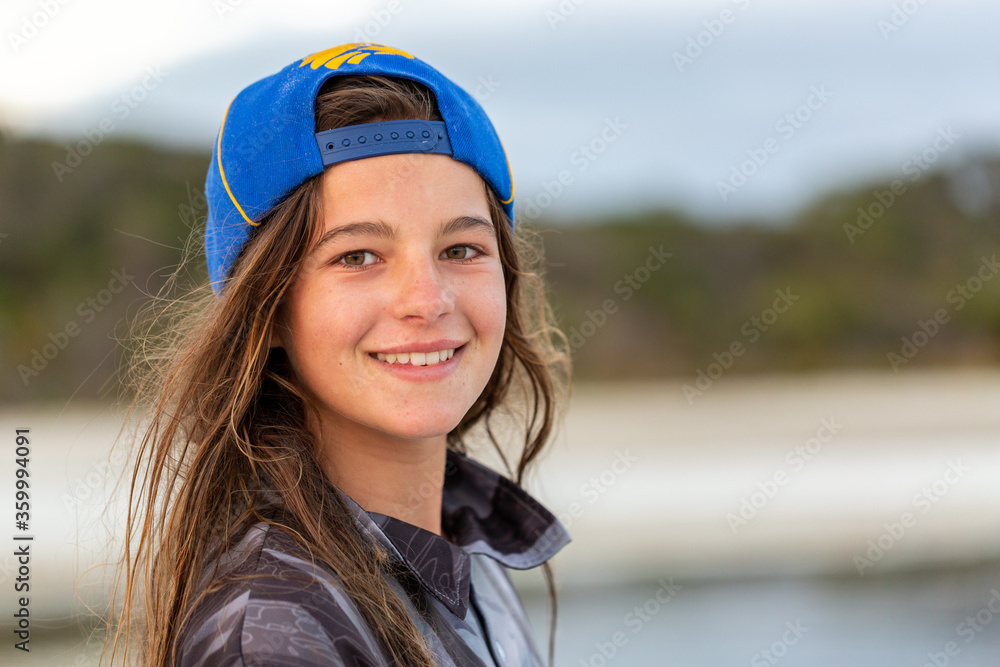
354	259
461	252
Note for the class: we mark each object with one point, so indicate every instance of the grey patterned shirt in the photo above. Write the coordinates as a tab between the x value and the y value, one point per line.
457	592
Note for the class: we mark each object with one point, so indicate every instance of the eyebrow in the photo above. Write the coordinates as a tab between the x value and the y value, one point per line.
382	229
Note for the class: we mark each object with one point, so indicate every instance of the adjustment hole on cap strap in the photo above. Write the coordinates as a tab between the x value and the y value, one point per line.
426	134
362	140
346	142
378	137
394	135
409	134
329	147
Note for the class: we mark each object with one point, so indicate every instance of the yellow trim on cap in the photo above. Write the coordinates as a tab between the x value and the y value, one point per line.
222	172
509	173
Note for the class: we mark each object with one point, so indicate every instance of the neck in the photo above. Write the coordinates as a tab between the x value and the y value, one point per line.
401	478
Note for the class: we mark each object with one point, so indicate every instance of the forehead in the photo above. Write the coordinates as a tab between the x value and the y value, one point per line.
409	186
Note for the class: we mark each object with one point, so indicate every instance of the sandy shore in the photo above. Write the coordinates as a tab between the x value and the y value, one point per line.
779	475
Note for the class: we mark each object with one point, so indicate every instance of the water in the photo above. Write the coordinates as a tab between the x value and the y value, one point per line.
816	622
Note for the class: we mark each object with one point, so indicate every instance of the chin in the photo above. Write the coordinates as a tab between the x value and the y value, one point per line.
424	430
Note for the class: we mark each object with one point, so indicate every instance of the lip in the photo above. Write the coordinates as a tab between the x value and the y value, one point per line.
437	371
433	346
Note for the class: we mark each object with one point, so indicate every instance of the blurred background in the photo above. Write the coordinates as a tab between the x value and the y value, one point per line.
771	233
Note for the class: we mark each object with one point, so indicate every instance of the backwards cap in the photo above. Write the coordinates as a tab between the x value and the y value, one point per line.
268	144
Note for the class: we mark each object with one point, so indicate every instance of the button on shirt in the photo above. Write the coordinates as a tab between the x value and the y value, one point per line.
296	613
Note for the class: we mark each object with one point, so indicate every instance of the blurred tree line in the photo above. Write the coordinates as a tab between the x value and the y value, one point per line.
879	277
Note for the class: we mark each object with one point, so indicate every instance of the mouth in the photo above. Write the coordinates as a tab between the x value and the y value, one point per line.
416	358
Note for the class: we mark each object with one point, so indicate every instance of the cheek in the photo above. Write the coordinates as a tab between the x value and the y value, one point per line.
491	308
325	326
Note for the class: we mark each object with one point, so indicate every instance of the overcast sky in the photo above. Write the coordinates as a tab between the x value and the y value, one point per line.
726	109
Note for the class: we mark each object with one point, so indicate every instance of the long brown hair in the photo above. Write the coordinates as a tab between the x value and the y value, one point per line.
222	413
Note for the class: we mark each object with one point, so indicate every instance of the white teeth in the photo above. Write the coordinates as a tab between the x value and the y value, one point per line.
417	358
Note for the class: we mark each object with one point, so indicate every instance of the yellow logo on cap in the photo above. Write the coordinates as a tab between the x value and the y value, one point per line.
349	53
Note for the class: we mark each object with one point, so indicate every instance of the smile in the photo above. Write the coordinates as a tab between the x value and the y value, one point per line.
417	358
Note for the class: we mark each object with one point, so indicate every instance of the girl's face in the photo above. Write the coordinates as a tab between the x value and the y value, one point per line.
408	266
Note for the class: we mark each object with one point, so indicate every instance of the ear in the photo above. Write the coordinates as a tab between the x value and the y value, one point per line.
275	338
277	327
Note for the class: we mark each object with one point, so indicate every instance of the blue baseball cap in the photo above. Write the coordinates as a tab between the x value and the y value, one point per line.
268	144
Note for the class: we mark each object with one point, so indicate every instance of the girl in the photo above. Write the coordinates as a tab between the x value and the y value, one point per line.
302	494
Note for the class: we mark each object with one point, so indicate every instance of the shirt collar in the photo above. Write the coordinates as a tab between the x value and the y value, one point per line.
484	513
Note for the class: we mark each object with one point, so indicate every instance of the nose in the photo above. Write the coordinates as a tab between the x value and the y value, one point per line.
422	292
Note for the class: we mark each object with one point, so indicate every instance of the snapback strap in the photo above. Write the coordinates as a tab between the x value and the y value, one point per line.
383	138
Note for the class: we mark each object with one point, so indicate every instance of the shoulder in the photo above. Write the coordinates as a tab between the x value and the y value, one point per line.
271	605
